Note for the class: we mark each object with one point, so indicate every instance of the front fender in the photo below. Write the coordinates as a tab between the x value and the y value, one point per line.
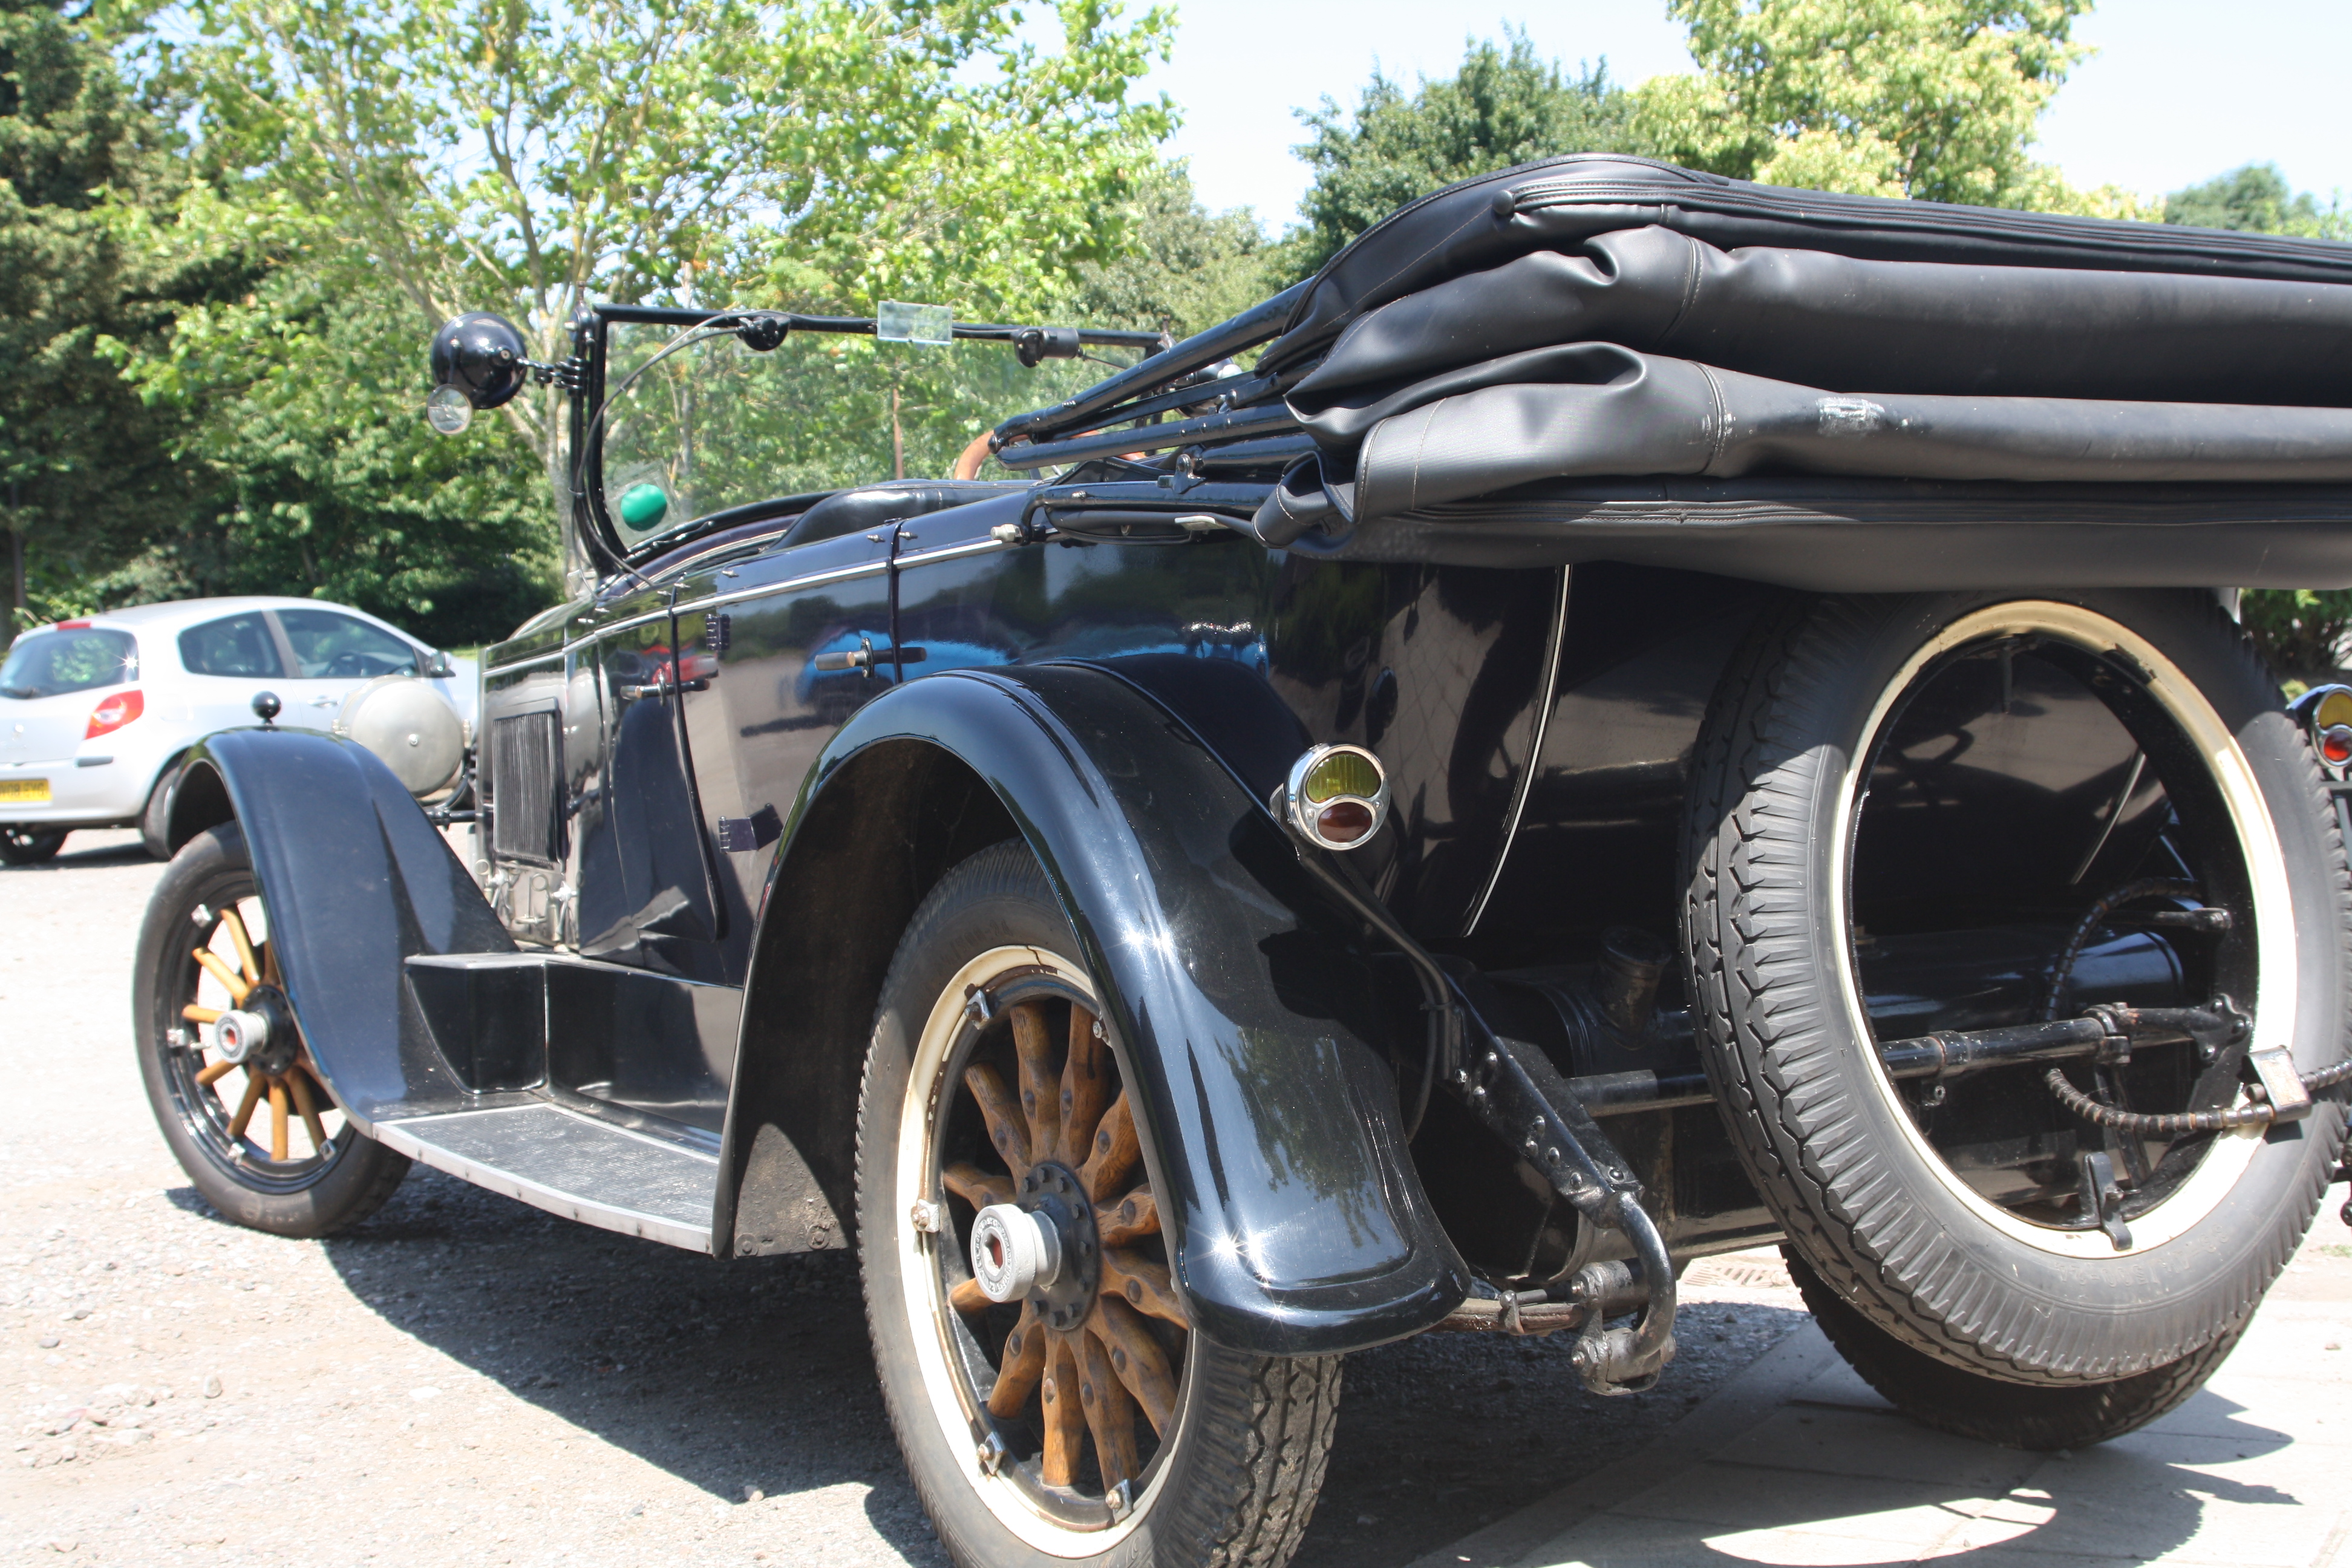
1299	1225
353	879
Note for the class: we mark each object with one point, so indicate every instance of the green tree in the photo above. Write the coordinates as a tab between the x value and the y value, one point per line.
295	408
1930	99
526	156
1506	105
86	173
2255	198
388	164
1186	269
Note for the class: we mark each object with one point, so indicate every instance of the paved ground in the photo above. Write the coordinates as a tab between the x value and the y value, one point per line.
1797	1462
465	1380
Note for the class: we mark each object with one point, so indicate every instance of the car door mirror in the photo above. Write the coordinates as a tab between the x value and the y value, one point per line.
437	667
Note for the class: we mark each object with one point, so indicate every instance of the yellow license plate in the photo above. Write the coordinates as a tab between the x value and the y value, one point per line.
25	792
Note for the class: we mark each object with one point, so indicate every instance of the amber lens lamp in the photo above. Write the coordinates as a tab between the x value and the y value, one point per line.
1337	796
2326	712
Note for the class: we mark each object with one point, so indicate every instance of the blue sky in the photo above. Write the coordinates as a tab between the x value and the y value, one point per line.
2178	92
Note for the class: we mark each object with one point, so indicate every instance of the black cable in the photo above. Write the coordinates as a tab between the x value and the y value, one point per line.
2144	1124
2095	917
2147	1125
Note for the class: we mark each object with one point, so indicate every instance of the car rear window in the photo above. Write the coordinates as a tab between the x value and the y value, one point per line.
45	664
328	646
233	644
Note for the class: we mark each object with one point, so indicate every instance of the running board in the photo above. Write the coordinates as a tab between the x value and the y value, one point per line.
572	1165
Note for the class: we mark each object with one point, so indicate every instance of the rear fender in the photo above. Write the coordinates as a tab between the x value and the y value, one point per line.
1297	1225
354	880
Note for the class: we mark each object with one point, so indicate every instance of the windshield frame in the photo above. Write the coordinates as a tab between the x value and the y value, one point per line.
591	333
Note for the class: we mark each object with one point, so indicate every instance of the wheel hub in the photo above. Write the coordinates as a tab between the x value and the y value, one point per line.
1041	1247
259	1034
1055	1190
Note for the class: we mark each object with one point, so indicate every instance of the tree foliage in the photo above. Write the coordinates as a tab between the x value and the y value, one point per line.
354	172
1936	100
2257	197
1506	105
528	156
86	473
1186	267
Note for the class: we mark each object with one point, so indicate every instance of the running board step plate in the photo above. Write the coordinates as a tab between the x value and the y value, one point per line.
571	1165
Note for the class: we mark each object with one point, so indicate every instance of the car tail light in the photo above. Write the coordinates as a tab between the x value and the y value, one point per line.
114	713
1337	796
2326	712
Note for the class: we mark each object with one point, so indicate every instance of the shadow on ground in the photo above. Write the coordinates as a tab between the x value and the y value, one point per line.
1854	1484
70	858
756	1372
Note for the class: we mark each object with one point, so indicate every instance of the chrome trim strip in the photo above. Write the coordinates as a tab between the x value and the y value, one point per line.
788	585
525	663
647	618
1534	755
954	552
394	1135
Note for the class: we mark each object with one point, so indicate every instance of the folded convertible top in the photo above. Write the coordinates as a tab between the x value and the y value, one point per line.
1848	325
1558	204
1596	318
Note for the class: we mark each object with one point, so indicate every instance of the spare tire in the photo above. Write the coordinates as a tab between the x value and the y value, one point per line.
1901	770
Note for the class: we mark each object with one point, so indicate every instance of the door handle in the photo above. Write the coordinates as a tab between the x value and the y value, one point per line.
866	658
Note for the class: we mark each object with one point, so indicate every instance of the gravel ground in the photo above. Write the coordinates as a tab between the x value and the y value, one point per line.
464	1380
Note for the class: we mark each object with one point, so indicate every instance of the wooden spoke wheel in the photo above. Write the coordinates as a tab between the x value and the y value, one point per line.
1053	1401
245	1081
232	1081
1084	1369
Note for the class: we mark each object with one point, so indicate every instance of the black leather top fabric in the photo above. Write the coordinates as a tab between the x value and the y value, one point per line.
1846	325
1584	410
1559	205
893	500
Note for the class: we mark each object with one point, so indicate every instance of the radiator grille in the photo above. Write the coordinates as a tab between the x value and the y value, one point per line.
526	817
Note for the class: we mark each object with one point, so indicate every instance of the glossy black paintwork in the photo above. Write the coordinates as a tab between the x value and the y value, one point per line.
1439	670
355	880
1238	1000
1641	654
756	713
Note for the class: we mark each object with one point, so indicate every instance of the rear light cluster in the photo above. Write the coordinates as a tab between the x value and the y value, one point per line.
1336	797
2327	715
114	713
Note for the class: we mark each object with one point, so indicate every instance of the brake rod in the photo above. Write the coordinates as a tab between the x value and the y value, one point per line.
2107	1031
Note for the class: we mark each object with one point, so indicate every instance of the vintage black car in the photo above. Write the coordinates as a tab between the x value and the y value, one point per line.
1650	714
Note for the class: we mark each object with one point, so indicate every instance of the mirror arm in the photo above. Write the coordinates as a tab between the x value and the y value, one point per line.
570	373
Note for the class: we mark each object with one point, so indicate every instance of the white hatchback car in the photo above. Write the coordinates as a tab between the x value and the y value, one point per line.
96	714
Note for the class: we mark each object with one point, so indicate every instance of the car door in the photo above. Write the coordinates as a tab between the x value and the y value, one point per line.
329	655
666	916
778	651
229	660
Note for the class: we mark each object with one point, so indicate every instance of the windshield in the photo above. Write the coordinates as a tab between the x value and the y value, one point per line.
716	426
47	664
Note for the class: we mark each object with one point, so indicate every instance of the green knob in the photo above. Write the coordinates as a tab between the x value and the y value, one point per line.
643	507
